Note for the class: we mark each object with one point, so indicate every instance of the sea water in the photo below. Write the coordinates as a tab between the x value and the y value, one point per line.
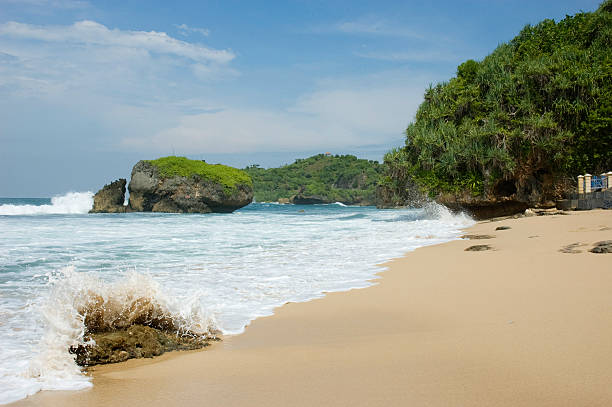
207	272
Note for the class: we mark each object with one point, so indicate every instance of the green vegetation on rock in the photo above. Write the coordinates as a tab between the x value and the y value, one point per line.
229	177
337	178
530	116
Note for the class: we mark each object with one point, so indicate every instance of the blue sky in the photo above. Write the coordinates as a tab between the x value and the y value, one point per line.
88	88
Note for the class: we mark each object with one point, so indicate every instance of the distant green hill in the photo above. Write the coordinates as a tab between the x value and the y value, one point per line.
319	179
518	125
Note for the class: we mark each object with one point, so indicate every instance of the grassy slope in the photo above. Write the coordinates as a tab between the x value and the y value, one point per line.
229	177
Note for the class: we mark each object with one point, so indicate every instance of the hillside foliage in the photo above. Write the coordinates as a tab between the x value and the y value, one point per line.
340	178
538	107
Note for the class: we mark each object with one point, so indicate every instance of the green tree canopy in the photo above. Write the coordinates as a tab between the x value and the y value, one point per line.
340	178
538	107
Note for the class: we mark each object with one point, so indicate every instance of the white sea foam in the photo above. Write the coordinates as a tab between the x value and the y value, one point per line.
71	203
236	267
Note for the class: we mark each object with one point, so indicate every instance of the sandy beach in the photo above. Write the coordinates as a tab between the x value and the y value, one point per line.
523	324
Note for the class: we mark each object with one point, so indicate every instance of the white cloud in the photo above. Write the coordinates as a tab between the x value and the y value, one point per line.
93	33
184	29
146	91
90	86
87	60
347	116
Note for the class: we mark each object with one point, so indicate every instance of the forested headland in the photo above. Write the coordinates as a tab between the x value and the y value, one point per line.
318	179
516	127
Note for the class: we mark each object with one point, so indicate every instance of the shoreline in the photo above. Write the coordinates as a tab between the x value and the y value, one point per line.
522	324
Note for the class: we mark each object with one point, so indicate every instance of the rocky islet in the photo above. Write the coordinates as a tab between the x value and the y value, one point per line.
177	185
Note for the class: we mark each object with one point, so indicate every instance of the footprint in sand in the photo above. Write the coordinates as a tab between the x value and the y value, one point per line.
479	248
477	237
572	248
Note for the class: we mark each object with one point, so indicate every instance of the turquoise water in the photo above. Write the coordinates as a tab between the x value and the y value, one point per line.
25	201
209	271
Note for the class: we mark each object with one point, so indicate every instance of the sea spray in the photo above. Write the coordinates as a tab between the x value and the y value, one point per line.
52	366
70	203
78	304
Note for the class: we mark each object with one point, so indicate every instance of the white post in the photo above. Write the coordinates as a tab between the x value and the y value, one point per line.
581	184
609	175
587	183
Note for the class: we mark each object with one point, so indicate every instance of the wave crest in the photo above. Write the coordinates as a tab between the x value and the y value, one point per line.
70	203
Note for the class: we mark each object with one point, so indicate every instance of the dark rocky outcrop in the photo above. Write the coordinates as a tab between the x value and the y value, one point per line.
308	200
152	192
602	247
509	197
137	341
301	198
505	198
110	198
484	209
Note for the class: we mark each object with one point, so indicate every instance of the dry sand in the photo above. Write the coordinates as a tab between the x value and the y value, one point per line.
521	325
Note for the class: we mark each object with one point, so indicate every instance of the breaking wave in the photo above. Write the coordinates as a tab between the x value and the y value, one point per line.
78	303
71	203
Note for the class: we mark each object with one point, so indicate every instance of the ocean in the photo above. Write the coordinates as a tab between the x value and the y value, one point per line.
212	271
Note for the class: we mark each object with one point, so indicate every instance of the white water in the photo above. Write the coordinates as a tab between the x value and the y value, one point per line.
71	203
204	271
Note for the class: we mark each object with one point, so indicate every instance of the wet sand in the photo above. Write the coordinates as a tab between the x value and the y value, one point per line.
523	324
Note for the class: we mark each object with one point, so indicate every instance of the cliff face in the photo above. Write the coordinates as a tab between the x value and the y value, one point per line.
151	191
110	198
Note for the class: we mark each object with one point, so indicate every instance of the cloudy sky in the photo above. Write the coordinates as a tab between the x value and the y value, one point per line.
88	88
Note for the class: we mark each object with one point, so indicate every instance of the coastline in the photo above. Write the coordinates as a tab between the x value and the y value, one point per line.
523	324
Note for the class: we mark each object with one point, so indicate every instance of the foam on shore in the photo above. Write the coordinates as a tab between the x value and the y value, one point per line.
175	271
